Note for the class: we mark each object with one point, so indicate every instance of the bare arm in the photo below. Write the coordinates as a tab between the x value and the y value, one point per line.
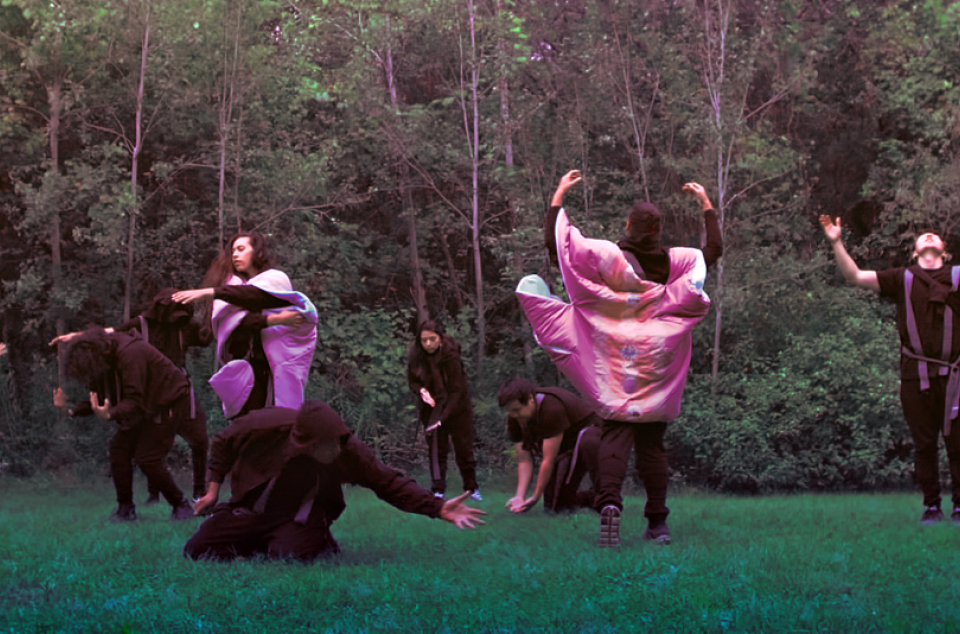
524	473
851	272
551	449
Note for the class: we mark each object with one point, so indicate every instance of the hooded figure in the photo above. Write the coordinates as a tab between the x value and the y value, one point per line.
287	469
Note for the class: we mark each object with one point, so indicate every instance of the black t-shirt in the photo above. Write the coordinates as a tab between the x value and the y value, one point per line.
551	418
928	315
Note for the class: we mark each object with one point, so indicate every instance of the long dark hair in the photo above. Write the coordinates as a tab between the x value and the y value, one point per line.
88	357
425	367
222	267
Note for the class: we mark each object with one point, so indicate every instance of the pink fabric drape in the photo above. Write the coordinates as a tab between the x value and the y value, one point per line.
622	341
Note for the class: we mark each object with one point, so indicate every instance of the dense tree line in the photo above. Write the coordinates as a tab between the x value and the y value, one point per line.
400	155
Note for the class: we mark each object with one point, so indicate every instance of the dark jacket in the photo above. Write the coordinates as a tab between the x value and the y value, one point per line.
169	328
255	448
141	384
560	411
447	384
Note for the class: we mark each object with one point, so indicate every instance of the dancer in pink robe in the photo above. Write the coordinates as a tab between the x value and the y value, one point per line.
624	340
266	332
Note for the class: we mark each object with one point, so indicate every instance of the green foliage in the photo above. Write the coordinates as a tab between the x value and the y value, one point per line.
825	416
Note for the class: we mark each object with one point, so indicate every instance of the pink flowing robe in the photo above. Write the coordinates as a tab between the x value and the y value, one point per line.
289	349
622	341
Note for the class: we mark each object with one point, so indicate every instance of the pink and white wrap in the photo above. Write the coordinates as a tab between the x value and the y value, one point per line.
622	341
289	349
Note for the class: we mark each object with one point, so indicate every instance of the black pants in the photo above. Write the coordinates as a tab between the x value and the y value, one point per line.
615	444
438	446
230	533
147	444
194	431
563	492
924	414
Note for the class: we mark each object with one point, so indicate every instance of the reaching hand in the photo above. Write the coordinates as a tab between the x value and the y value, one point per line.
102	411
202	504
425	395
3	349
59	399
286	318
831	228
456	512
67	338
187	297
515	503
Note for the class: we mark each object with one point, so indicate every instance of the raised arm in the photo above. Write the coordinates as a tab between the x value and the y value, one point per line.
568	180
851	272
714	247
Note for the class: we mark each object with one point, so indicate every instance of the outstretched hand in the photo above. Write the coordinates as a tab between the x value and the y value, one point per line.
456	512
67	338
102	411
187	297
831	228
202	504
286	318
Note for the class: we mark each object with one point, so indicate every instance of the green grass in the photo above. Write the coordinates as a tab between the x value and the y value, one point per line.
801	563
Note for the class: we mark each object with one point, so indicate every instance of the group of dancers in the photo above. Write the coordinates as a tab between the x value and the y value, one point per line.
623	340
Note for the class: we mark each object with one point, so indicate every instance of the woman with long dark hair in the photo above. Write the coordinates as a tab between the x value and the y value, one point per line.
266	332
435	374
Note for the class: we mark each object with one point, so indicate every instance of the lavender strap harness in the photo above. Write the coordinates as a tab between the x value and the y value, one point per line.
947	368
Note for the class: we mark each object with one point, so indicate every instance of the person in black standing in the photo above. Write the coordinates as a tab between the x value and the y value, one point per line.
651	261
928	322
287	468
565	430
170	328
144	395
436	377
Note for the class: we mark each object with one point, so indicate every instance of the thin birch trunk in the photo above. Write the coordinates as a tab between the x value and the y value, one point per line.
137	147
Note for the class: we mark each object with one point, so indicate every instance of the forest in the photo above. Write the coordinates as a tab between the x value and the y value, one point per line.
400	154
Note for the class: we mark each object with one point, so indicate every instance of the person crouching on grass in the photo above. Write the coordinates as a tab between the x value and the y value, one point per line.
928	322
565	429
287	470
145	396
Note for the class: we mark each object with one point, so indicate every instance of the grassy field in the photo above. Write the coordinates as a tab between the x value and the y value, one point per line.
803	563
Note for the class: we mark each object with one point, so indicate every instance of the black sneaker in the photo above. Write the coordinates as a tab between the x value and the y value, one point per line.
124	513
183	512
609	527
955	516
152	498
931	515
658	534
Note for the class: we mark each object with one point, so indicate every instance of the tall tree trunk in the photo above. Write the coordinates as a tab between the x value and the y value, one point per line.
137	147
475	164
714	62
406	201
56	104
226	119
507	137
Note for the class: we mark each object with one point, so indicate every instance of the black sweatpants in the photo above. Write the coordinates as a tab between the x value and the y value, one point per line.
147	444
924	414
239	532
615	444
438	446
563	490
